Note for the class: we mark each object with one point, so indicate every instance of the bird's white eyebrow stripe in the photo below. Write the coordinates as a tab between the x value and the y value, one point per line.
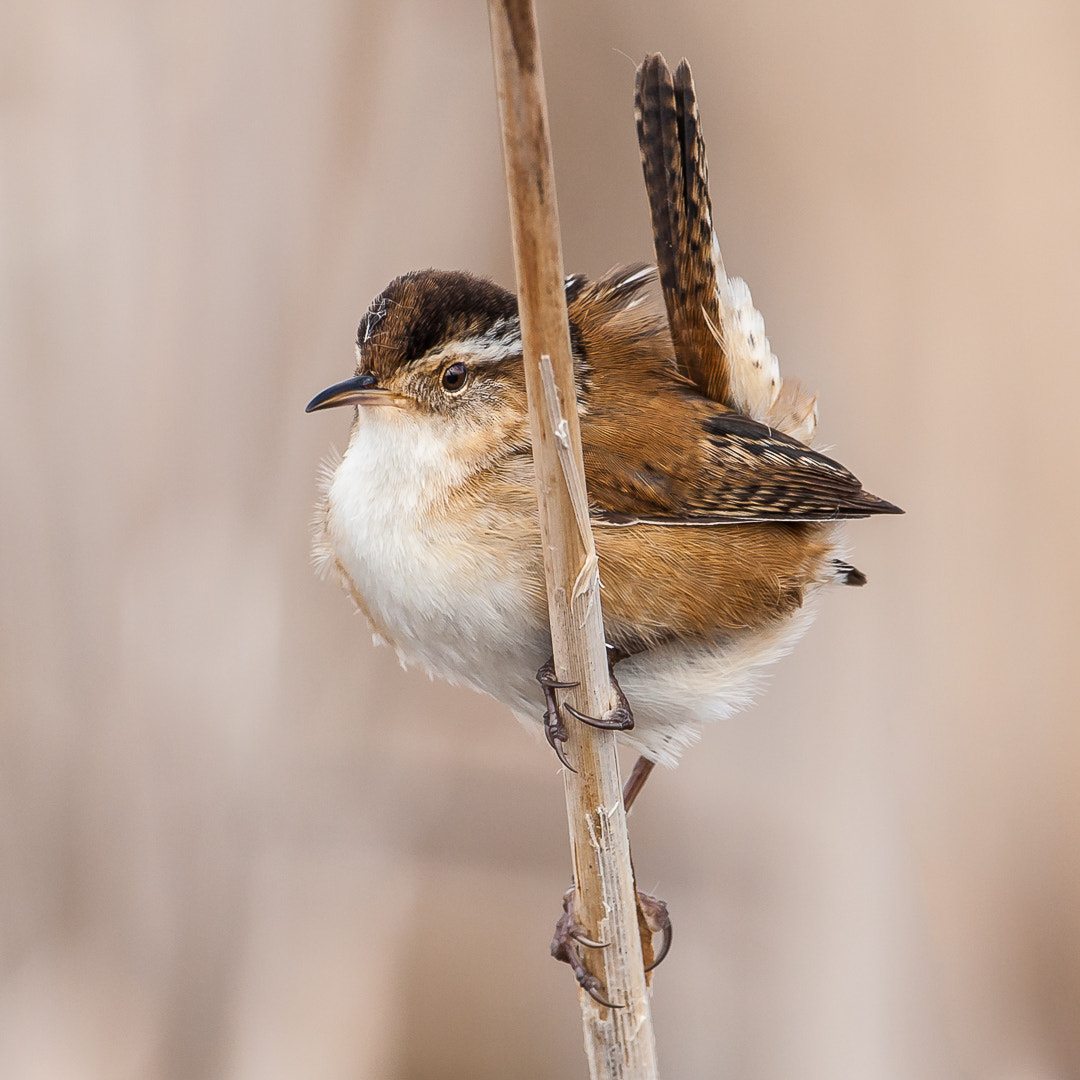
501	341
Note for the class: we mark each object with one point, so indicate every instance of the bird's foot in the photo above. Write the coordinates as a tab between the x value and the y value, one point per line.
653	918
619	718
569	934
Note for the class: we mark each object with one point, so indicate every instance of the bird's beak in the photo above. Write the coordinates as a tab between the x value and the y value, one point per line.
359	390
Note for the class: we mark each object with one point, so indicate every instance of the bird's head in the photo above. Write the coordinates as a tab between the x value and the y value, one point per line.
441	349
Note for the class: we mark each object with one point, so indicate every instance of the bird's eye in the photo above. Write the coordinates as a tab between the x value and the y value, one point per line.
455	377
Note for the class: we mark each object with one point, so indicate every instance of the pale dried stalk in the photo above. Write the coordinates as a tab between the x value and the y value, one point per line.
619	1042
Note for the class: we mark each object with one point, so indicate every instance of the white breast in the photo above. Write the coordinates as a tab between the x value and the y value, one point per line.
423	573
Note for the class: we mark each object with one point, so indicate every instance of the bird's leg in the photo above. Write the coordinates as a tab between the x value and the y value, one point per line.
643	767
653	915
652	911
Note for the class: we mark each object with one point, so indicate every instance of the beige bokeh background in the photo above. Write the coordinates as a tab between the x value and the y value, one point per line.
236	840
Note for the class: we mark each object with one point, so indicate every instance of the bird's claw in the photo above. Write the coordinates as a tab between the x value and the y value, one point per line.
581	939
547	678
618	719
556	734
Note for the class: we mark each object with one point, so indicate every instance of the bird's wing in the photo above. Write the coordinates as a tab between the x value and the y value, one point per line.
709	466
657	450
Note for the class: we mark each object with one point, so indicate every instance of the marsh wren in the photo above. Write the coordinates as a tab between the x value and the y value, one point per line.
714	520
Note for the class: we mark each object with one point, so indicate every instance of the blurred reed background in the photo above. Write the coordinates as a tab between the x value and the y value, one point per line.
238	841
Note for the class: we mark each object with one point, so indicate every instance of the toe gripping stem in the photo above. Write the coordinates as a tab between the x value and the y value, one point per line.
654	915
554	726
569	934
620	718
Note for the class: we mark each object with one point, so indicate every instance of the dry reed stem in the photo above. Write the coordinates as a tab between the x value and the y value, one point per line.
619	1042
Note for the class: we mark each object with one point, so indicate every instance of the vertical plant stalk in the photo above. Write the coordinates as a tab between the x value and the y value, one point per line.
619	1042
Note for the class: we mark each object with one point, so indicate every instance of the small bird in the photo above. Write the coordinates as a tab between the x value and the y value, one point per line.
714	520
